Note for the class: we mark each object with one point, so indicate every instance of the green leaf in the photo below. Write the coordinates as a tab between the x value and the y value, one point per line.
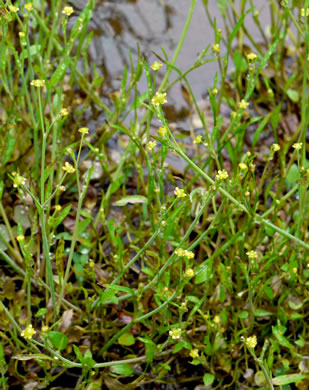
9	147
286	379
131	199
59	73
1	188
33	50
64	213
122	369
293	95
126	339
240	62
243	314
208	379
293	174
58	339
108	295
78	353
41	312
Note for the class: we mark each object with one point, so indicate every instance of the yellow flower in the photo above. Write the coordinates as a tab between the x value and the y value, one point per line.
91	263
251	57
64	112
175	333
61	188
298	145
28	332
20	238
21	34
29	6
159	98
197	139
217	319
84	130
18	180
163	131
38	83
194	353
179	252
151	145
251	341
242	166
58	207
222	175
214	91
252	255
303	13
275	147
216	47
68	168
45	329
188	254
68	10
156	65
189	273
243	104
180	193
13	9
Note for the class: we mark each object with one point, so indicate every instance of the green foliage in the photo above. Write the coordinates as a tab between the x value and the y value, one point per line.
155	242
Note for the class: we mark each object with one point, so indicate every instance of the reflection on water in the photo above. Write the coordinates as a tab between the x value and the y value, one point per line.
120	25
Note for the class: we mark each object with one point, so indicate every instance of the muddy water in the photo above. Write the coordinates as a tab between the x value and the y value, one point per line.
122	24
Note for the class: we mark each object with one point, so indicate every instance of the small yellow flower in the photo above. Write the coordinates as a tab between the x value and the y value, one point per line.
194	353
45	329
38	83
251	57
252	255
151	145
216	47
243	104
303	13
233	114
189	273
217	320
156	65
20	238
84	130
175	333
197	139
298	145
242	166
62	188
180	193
18	180
188	254
294	270
12	8
58	207
163	131
251	341
29	7
275	147
159	98
28	332
21	34
222	175
67	10
64	112
68	168
179	252
214	91
91	263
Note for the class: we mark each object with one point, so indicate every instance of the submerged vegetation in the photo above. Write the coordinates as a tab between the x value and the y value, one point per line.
136	253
